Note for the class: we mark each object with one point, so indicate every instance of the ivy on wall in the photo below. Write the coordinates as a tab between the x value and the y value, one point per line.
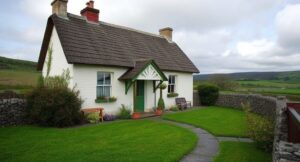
49	62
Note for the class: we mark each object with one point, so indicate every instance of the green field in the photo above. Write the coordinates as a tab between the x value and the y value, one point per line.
265	87
17	75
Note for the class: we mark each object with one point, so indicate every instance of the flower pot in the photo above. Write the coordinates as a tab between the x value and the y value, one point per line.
158	112
136	115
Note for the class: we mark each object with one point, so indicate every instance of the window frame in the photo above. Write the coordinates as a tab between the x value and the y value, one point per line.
104	83
170	83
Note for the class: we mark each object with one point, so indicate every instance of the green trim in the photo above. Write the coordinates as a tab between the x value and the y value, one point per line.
128	84
151	62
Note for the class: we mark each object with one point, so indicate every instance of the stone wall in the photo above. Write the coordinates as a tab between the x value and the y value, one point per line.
283	150
259	104
12	109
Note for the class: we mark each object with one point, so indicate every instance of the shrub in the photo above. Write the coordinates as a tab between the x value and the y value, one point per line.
59	107
174	108
259	128
93	117
108	117
161	103
172	94
125	112
208	94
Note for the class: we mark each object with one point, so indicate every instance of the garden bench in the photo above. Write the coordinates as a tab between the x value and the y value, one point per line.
94	110
182	103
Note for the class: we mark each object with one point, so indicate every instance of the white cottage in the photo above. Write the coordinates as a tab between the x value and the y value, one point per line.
113	65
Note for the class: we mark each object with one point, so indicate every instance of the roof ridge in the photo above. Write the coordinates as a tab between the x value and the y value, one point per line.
130	29
118	26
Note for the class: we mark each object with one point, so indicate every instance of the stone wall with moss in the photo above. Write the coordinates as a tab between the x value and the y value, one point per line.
12	109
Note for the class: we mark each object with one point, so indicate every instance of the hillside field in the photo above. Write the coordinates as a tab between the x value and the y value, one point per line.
17	75
265	87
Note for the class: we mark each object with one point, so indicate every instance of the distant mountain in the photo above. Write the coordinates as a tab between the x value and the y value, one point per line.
293	76
15	64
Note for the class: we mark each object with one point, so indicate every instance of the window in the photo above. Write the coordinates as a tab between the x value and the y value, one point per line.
171	86
103	84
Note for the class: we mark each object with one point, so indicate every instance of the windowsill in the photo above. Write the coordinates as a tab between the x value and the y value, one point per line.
172	95
105	101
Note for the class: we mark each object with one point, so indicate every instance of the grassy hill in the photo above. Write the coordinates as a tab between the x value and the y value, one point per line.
17	75
15	64
288	76
266	83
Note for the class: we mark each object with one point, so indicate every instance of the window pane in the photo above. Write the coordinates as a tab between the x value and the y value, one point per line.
107	79
100	92
173	79
107	91
100	78
169	88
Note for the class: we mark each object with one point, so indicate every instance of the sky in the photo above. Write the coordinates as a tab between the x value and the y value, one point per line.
218	36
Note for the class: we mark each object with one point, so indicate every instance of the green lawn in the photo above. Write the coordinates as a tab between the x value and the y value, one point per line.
217	120
241	152
125	140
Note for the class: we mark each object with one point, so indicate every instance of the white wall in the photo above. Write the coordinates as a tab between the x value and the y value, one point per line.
183	86
59	61
85	79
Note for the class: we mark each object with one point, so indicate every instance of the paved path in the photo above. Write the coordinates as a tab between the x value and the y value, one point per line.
207	146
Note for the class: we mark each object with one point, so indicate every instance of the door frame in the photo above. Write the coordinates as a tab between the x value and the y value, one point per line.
139	107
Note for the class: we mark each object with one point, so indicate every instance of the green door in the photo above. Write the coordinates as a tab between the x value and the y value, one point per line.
140	91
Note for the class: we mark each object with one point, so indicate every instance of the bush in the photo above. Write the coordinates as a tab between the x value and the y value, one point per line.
172	94
124	113
174	108
161	103
208	94
260	129
59	107
93	117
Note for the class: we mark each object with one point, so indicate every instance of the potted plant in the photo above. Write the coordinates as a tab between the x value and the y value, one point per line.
136	115
158	111
161	104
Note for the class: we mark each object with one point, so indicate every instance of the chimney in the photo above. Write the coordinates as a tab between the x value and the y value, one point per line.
59	7
167	33
90	12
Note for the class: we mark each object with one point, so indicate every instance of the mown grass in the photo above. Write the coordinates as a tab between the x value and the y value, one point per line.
241	152
142	140
217	120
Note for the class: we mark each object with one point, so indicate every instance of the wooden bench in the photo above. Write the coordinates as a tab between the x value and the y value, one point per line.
182	103
94	110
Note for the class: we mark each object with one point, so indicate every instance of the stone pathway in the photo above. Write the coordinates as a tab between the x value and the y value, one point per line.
207	146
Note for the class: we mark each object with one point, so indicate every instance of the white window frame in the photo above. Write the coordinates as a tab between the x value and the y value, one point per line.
172	84
104	83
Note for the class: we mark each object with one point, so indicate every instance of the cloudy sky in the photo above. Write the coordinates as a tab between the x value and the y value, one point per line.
217	35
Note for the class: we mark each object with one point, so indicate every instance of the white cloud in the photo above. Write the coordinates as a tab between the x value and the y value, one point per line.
288	26
218	36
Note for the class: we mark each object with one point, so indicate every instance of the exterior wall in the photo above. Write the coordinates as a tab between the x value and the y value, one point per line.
85	79
59	61
183	86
